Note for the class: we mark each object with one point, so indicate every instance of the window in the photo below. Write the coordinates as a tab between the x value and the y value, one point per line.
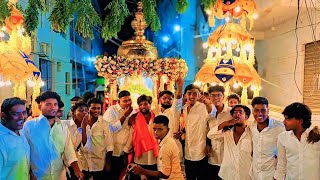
68	83
46	73
311	83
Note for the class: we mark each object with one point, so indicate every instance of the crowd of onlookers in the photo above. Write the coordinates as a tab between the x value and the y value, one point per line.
188	135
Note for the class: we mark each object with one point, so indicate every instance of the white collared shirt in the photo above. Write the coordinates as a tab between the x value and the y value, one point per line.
14	155
216	156
75	132
168	161
297	160
51	148
99	142
237	158
120	133
196	130
265	150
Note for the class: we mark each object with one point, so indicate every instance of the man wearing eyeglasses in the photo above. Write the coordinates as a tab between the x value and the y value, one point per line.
214	147
265	133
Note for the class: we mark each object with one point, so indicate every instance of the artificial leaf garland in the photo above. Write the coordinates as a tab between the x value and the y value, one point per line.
61	15
113	22
31	17
208	3
150	14
41	5
5	11
182	6
87	18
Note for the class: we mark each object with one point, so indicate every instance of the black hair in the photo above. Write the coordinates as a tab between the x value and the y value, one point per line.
161	119
94	101
60	104
48	95
166	92
144	98
216	88
9	103
86	96
123	94
191	86
245	108
299	111
75	98
234	96
77	105
259	100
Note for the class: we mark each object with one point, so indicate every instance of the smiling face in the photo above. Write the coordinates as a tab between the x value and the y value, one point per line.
216	98
192	96
144	107
260	112
95	110
15	118
125	102
232	102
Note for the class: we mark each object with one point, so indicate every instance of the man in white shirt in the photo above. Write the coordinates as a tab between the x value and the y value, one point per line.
265	133
171	106
97	143
117	116
298	146
14	147
237	139
78	111
168	161
195	113
214	148
50	141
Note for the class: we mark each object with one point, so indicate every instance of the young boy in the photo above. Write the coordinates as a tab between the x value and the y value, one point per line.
298	146
169	159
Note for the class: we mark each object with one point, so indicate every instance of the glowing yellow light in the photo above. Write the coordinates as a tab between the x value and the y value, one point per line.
237	9
255	16
205	45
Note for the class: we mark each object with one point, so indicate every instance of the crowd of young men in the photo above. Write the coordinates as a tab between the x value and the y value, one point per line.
200	138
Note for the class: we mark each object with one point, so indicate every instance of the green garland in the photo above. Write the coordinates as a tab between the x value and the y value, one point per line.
31	17
150	14
5	12
61	15
41	5
87	18
208	3
113	22
182	6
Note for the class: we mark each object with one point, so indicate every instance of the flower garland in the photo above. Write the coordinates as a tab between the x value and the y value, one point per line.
116	67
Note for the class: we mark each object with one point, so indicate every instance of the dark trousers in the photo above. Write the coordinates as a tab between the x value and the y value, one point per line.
118	164
149	167
196	170
97	175
213	171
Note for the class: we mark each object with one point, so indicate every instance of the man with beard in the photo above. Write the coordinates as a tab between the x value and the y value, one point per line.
97	143
171	107
14	147
145	145
265	133
298	146
50	141
118	116
237	140
60	111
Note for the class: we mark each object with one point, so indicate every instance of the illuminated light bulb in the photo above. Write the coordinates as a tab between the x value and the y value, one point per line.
247	47
236	85
224	48
2	34
227	19
253	87
213	49
238	49
234	41
41	83
1	83
8	83
197	83
22	30
213	84
222	41
255	16
3	28
31	83
237	9
208	11
205	45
